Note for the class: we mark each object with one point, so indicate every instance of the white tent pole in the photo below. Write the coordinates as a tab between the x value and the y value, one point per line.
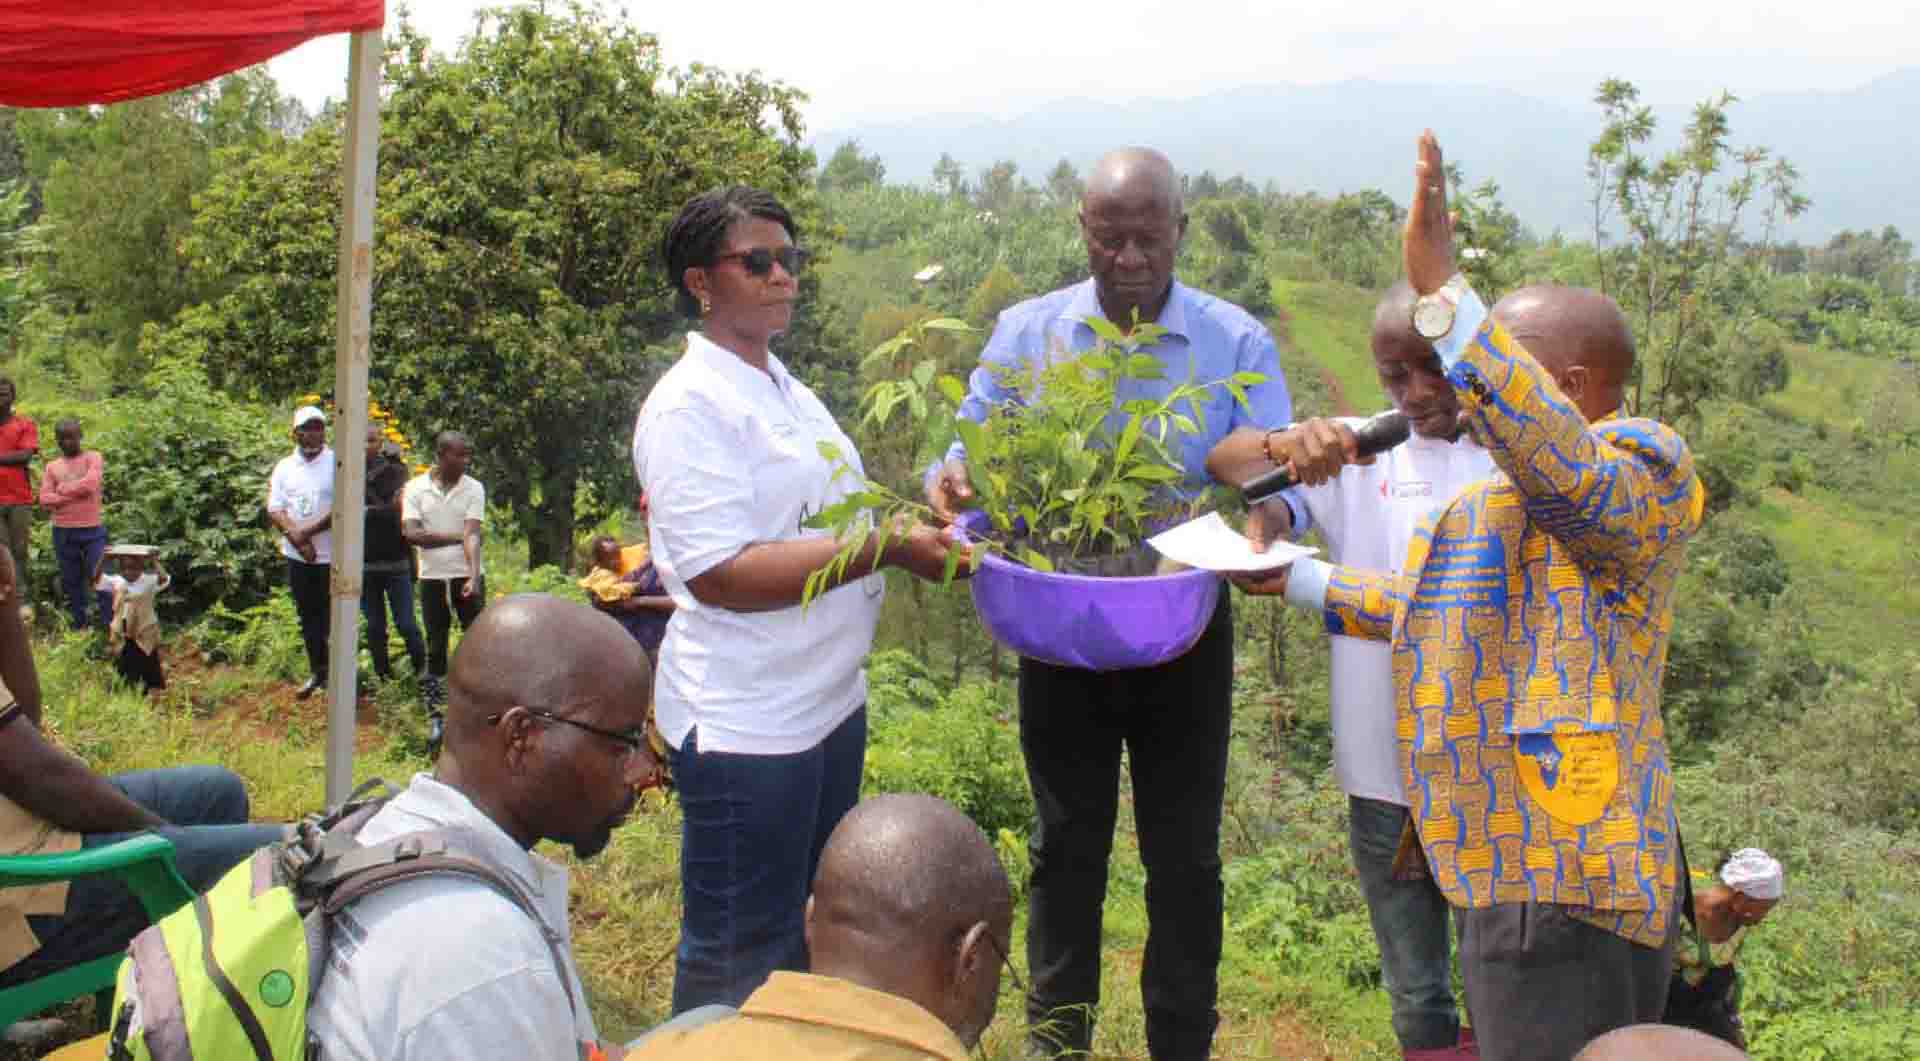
353	328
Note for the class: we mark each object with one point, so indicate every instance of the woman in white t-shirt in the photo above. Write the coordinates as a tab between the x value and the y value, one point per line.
762	702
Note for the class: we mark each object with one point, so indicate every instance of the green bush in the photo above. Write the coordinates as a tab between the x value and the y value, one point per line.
187	470
954	745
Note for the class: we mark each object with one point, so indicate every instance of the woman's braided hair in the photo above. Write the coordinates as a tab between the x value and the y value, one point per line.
697	234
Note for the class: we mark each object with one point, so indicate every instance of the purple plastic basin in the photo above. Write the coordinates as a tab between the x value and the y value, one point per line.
1092	623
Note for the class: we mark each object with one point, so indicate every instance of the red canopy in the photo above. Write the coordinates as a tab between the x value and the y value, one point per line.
65	53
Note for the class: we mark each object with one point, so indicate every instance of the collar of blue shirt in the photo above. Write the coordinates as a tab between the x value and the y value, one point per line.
1085	303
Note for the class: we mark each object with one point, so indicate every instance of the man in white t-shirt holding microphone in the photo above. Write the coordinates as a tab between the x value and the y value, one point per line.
1367	513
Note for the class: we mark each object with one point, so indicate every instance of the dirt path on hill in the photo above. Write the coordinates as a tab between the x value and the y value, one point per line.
1283	335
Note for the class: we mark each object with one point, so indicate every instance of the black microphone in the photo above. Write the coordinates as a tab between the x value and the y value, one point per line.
1377	434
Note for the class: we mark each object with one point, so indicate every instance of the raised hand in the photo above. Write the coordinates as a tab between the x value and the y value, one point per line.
1427	243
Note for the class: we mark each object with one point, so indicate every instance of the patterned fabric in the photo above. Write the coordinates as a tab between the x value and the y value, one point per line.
1529	637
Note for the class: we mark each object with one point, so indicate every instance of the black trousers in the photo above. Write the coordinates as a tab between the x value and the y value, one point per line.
1542	983
440	602
312	586
1174	721
142	668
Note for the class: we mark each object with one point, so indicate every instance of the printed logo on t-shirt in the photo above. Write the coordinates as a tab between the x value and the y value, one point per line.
1403	491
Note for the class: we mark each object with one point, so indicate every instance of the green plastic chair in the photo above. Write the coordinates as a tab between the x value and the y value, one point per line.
144	863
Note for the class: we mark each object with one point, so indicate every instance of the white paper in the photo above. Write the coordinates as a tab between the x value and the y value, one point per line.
1210	544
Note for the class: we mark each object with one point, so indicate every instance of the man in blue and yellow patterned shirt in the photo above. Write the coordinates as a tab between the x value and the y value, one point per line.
1529	634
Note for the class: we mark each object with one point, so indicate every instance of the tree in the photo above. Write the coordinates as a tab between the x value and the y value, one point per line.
848	169
525	184
1676	269
949	178
117	184
1001	191
1064	186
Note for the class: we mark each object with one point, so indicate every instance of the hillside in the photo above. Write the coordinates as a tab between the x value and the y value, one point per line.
1853	148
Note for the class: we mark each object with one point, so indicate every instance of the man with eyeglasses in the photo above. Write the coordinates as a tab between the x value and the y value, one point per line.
1174	719
544	741
907	930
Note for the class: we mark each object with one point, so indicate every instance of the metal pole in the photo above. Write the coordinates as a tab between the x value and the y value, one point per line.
353	328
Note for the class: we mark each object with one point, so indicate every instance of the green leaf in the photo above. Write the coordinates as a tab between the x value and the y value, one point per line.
1036	561
1106	329
1153	473
829	451
923	374
947	324
955	390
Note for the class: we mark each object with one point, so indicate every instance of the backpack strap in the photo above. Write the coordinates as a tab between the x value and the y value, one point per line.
347	870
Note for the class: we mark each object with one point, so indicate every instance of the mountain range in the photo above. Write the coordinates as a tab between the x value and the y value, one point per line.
1856	150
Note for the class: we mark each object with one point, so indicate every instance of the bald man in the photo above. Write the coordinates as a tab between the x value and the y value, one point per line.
544	741
1657	1042
910	916
1528	634
1174	717
1366	514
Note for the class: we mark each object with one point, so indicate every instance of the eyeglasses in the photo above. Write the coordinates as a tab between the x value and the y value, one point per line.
759	261
633	739
1006	960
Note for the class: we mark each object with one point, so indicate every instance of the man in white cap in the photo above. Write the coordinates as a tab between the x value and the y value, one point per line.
300	504
1704	993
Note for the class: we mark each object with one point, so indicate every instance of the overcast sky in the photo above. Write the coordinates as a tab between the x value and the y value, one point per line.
861	60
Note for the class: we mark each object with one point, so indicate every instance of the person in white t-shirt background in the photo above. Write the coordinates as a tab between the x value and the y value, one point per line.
442	515
1366	513
762	703
300	504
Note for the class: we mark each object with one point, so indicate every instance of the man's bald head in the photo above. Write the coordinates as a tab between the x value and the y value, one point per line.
1133	173
910	899
539	650
1657	1042
1577	334
532	681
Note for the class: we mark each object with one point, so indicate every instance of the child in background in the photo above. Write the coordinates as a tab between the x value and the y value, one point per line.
134	635
1705	991
631	593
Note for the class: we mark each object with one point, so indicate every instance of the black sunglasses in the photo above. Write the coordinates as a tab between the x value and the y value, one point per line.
635	739
759	261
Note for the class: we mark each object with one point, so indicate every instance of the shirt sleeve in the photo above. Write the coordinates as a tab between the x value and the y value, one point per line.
277	500
1268	404
477	502
49	491
410	503
522	1014
700	495
88	485
985	388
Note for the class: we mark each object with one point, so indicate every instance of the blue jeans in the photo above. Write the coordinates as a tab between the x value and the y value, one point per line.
208	808
1410	924
78	549
751	833
379	592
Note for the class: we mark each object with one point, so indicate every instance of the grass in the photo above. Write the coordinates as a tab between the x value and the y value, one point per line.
1330	323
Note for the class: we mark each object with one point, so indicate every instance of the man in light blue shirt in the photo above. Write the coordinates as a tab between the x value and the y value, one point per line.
1174	718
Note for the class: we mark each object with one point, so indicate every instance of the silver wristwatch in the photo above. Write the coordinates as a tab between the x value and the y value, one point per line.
1433	313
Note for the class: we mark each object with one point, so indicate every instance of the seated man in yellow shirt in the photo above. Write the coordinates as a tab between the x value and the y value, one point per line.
909	922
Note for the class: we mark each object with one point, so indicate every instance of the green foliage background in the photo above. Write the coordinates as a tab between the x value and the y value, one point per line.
166	275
